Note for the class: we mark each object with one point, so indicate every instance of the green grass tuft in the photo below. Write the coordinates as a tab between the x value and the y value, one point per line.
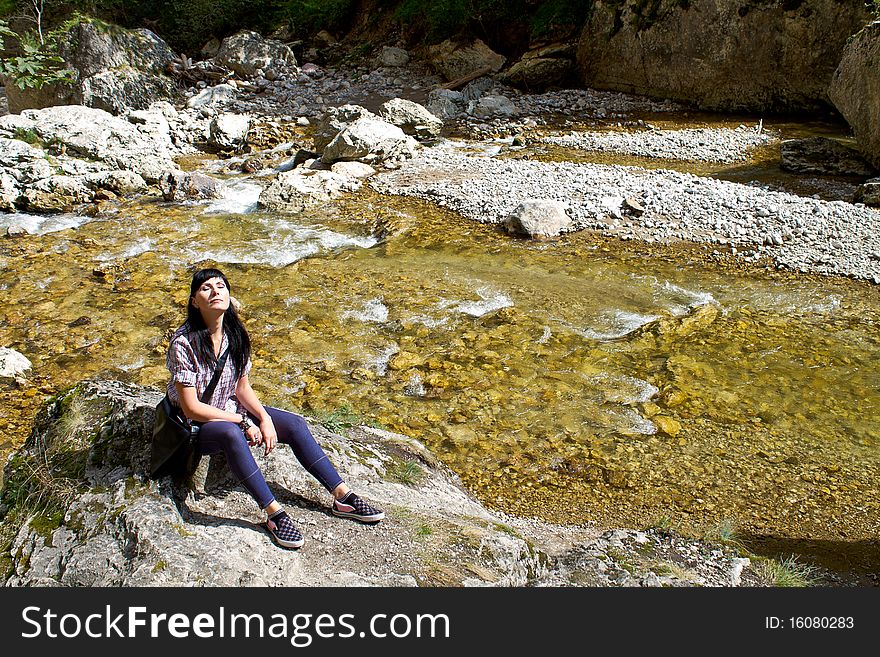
788	572
407	472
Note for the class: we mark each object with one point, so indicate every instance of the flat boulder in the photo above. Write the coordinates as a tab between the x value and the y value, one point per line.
117	527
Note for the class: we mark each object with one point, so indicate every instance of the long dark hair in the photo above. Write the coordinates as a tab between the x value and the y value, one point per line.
200	339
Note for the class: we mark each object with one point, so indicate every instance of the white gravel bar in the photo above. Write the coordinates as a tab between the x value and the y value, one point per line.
722	145
803	234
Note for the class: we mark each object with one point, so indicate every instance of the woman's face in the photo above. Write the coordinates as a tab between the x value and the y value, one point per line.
212	296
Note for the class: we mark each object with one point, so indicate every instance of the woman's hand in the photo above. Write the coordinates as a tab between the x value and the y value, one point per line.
254	435
270	437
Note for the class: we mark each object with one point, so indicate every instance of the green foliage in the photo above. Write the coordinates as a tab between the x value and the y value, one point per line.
37	64
8	7
558	13
188	24
874	7
306	17
442	19
27	135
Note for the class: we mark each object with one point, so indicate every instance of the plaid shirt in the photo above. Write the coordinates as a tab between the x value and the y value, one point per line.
187	370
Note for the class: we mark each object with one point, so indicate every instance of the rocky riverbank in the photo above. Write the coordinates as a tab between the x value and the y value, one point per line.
103	523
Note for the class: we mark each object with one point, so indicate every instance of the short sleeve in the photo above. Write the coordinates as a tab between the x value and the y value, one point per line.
181	362
247	367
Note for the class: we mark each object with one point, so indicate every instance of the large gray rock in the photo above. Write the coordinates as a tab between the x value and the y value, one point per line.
74	151
246	52
109	525
211	97
123	90
539	219
115	69
454	61
297	190
23	162
393	57
94	134
855	90
756	56
412	118
541	68
445	103
177	185
9	191
229	131
372	141
55	194
335	120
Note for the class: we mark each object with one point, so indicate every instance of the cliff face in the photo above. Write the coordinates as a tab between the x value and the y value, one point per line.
855	90
753	55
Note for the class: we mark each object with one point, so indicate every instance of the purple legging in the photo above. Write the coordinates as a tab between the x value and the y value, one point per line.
227	437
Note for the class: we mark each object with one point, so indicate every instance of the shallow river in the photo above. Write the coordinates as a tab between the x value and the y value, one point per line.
579	381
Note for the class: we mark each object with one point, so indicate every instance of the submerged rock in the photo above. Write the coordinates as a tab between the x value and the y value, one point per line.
12	363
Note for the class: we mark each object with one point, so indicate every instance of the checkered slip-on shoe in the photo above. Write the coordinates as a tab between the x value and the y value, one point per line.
283	530
351	506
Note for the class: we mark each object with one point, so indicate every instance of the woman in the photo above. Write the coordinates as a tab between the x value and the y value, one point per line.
233	418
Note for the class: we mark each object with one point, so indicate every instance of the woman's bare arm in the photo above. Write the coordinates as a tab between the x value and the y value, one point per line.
198	411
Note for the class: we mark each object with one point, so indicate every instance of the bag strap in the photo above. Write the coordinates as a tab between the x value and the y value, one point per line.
205	397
